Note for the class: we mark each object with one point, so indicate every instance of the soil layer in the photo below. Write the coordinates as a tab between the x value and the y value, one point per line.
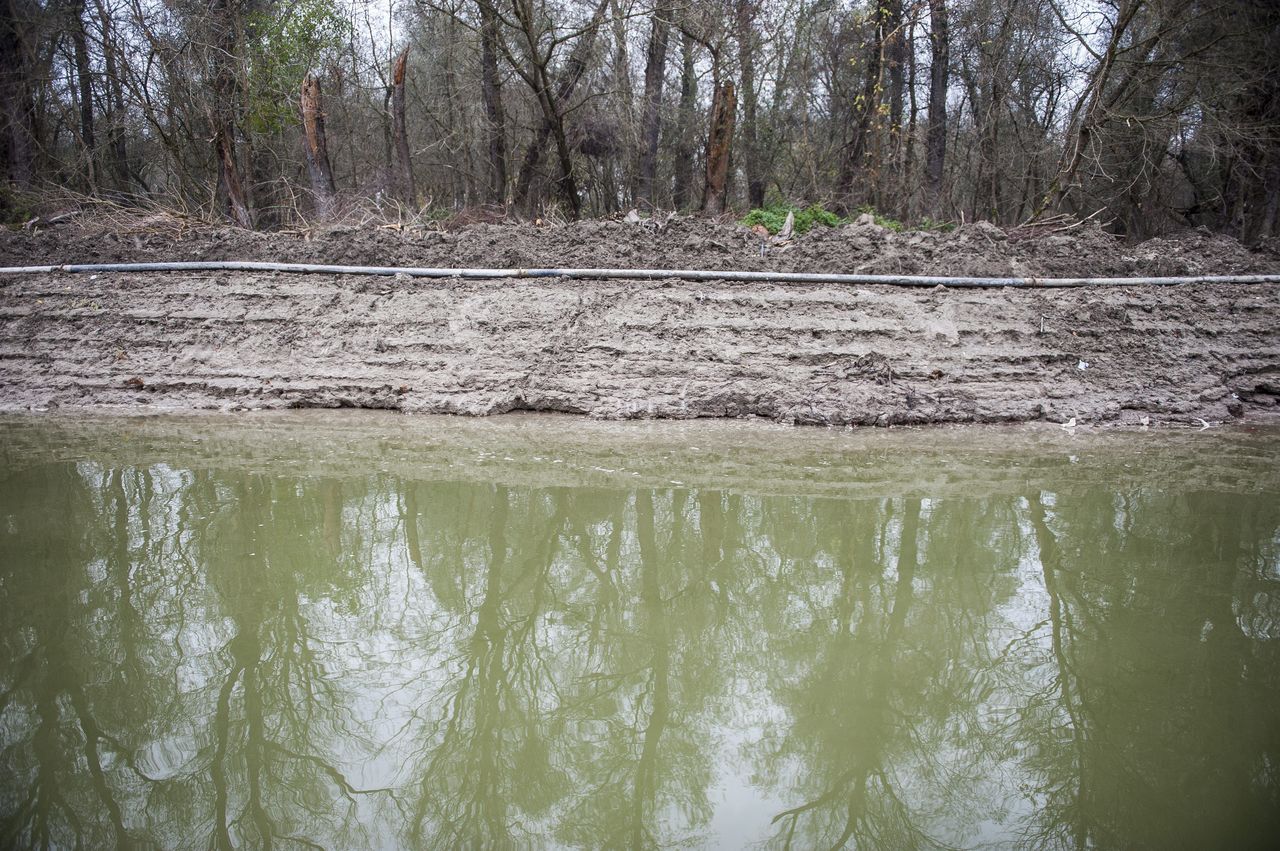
623	349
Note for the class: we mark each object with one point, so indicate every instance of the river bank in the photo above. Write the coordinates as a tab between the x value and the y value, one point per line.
795	353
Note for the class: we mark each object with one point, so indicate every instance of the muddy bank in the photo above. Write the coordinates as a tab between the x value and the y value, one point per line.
549	450
681	243
793	353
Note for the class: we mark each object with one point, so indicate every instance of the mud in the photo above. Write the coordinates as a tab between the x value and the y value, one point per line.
793	353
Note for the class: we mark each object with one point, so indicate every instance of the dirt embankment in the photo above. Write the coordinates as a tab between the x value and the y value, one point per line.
796	353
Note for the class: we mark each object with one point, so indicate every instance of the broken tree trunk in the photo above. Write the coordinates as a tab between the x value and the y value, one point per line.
317	149
403	168
719	140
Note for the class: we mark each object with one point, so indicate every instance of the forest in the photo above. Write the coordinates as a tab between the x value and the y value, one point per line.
1145	115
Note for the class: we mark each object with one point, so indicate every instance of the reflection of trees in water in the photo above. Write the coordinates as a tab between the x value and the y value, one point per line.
60	772
179	734
1151	735
278	714
881	679
575	709
211	658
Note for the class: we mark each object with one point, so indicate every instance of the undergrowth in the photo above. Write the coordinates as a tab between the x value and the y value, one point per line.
15	207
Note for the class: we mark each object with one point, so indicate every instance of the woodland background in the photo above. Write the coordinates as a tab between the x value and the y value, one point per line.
1150	115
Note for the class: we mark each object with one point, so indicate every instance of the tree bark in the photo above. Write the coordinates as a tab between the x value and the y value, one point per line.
621	175
909	154
316	148
719	142
405	190
491	89
655	72
936	135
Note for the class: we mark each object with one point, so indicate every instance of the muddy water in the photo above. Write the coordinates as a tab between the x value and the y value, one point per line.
380	632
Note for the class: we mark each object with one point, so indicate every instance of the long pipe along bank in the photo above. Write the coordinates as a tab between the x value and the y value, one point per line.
639	274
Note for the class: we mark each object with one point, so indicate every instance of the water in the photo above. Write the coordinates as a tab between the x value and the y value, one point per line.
381	632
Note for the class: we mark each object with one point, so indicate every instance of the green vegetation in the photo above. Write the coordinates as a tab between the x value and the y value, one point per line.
289	40
774	217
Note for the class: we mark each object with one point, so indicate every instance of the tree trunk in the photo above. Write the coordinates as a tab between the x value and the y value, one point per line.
316	148
747	36
491	89
1088	109
935	143
622	171
895	60
405	190
655	72
719	143
552	125
683	185
117	153
909	156
224	105
84	79
15	96
855	153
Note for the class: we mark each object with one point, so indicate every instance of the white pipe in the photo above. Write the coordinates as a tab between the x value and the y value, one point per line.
638	274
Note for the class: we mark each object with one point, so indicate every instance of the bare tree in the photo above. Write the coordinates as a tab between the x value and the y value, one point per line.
553	98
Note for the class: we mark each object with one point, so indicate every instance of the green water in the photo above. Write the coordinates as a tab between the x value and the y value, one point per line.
373	632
